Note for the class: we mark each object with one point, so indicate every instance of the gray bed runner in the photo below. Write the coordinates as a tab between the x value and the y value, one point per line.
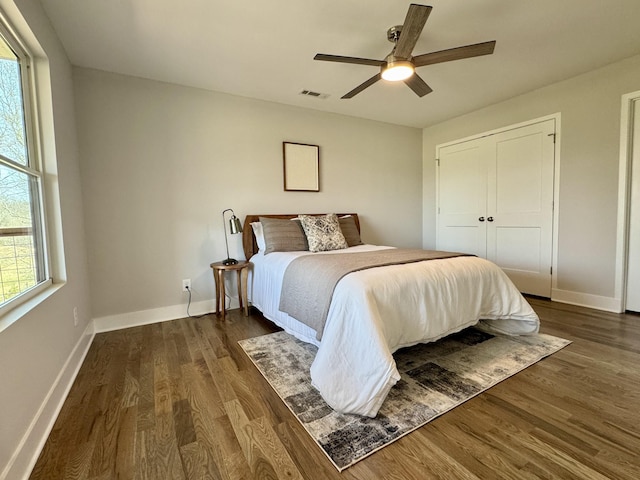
309	281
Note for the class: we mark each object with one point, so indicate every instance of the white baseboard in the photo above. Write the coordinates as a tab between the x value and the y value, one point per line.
608	304
32	443
155	315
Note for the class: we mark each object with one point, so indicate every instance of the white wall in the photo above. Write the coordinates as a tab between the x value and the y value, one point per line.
590	134
160	162
35	349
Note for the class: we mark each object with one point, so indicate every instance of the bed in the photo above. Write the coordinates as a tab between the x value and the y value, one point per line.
376	311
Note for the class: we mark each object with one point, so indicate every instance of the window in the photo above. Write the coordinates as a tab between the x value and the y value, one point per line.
23	256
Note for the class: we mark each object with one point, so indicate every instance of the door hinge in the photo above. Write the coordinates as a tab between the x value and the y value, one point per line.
437	161
550	270
552	135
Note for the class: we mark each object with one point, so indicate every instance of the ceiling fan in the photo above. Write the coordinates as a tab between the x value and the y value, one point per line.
399	65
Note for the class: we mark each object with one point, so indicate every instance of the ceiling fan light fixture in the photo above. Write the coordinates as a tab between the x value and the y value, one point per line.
400	64
397	71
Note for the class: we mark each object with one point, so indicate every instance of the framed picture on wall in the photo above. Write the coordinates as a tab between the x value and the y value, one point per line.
301	167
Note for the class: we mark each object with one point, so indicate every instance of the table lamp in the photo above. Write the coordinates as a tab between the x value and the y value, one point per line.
234	227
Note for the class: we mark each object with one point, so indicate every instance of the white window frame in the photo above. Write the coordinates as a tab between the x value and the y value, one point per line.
15	307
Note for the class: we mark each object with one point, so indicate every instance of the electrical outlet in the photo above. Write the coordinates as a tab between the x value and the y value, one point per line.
75	316
186	285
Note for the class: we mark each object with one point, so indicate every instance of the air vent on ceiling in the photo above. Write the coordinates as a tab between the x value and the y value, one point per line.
310	93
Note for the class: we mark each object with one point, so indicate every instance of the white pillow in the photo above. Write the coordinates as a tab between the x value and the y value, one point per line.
257	232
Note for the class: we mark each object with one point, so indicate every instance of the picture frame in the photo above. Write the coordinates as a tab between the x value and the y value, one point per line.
301	164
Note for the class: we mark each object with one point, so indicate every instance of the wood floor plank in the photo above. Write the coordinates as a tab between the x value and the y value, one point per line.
50	463
213	431
412	457
109	415
612	467
145	467
202	393
146	397
562	466
310	460
264	452
131	387
80	461
183	420
125	445
207	359
552	430
199	462
174	371
259	464
539	407
181	399
456	442
251	404
476	426
264	436
168	462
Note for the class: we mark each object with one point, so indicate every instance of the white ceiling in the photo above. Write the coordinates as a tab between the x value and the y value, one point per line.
264	49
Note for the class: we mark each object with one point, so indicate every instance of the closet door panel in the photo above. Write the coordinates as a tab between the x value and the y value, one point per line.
518	254
462	198
520	202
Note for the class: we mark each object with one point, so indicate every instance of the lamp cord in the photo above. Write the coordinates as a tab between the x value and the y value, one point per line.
204	314
189	304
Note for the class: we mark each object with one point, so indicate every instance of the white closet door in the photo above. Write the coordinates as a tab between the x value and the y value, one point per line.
520	206
633	266
495	200
462	198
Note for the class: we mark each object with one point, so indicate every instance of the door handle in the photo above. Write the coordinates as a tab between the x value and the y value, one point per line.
490	219
481	219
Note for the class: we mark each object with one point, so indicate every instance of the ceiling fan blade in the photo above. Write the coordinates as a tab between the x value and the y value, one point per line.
362	86
411	29
356	60
418	85
458	53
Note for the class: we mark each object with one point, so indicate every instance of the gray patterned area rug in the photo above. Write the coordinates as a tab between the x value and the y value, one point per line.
436	377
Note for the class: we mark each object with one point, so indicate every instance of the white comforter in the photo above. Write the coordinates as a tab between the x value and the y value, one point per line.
375	312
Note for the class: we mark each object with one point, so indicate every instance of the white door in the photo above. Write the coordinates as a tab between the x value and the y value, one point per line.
633	265
495	200
520	206
462	198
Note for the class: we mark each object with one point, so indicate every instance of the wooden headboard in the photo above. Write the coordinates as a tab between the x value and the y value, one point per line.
249	244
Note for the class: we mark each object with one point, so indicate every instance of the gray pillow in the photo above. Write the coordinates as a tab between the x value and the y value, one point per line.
281	235
323	232
350	230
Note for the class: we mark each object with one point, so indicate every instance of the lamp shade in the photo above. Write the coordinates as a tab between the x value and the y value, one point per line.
234	225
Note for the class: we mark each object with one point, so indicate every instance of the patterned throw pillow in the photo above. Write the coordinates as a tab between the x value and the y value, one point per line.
323	232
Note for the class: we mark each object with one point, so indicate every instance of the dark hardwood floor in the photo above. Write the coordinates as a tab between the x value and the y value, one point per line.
180	400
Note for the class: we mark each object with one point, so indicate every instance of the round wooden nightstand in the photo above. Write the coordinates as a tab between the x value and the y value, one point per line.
242	269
